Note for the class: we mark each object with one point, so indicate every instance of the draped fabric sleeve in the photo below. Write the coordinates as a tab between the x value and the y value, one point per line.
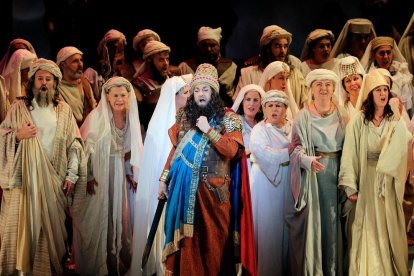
10	161
349	173
299	150
393	158
270	157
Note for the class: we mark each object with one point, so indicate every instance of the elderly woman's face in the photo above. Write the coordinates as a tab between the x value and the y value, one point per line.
322	90
118	98
278	82
251	103
275	113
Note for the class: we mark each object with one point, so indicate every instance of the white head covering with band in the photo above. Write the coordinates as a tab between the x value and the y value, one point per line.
272	70
272	32
275	96
209	33
324	74
65	53
245	89
356	26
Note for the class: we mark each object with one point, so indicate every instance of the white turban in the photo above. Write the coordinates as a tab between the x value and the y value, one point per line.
209	33
271	70
275	96
245	89
321	74
143	34
272	32
155	47
47	65
65	53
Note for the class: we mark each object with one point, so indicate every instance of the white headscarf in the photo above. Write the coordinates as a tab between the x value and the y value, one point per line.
271	70
96	133
245	89
157	146
354	25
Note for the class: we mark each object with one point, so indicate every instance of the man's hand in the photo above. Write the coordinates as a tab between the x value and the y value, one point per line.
27	131
162	190
68	188
203	124
133	184
90	187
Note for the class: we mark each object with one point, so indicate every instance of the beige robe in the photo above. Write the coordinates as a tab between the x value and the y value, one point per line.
379	244
79	97
25	165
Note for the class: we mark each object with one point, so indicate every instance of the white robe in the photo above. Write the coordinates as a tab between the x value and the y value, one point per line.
269	180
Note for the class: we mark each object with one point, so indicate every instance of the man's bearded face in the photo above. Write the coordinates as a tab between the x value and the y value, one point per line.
44	87
73	67
159	66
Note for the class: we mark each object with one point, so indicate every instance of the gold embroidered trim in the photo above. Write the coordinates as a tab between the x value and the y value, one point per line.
213	135
164	175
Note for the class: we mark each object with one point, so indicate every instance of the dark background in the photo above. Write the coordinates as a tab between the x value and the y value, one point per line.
52	24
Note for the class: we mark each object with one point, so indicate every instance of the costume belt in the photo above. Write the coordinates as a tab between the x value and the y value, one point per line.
373	155
215	168
285	164
328	154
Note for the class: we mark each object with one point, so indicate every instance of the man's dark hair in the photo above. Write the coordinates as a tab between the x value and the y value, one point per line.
30	94
214	109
